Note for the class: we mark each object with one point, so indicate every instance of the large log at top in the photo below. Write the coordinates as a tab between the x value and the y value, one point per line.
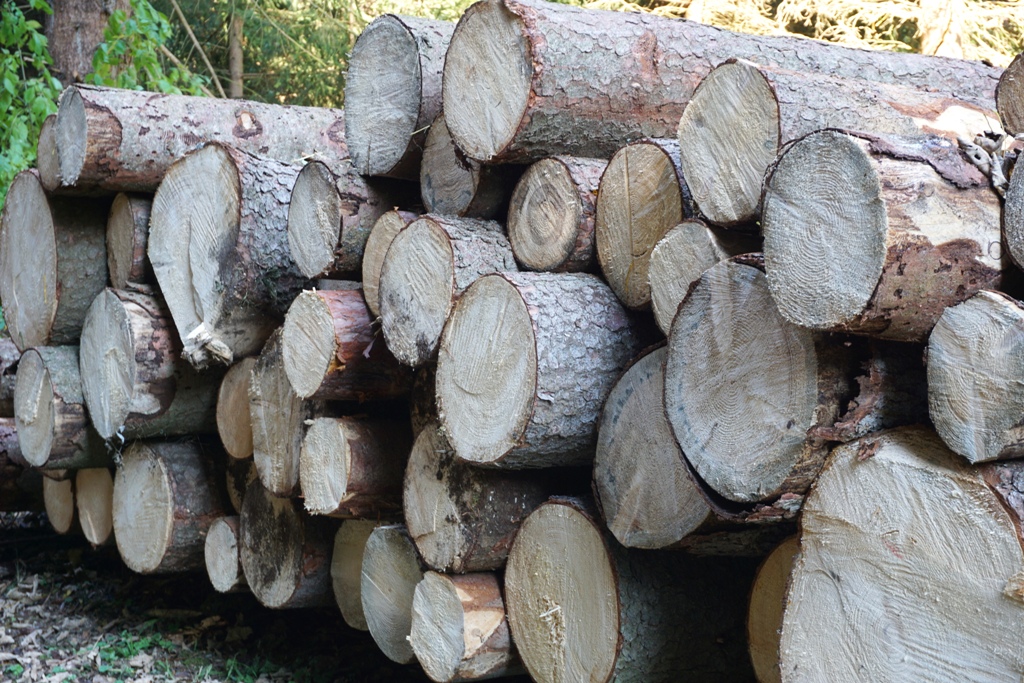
1010	96
219	248
526	79
929	583
126	140
393	92
850	245
52	262
742	114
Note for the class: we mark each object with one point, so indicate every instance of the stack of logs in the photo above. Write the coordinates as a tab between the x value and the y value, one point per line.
549	413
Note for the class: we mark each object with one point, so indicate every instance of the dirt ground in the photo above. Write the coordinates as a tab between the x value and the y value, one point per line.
71	613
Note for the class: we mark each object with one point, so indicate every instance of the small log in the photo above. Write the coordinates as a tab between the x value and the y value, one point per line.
1010	96
9	357
352	467
744	388
390	573
552	212
423	398
643	489
393	92
127	237
52	262
525	79
166	496
94	500
126	140
346	569
59	503
427	268
452	528
233	422
278	418
514	387
642	196
939	563
238	475
47	162
459	629
135	382
222	553
50	412
377	245
330	215
753	110
331	350
850	247
583	608
229	279
286	555
975	373
681	257
452	184
767	603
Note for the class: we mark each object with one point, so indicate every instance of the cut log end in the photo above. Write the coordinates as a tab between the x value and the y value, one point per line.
640	199
127	232
728	135
143	509
767	603
1010	96
346	568
1013	216
222	555
233	423
437	635
46	154
385	59
390	573
741	387
488	386
59	503
825	231
314	218
309	343
72	136
382	235
108	363
94	498
488	40
544	216
33	408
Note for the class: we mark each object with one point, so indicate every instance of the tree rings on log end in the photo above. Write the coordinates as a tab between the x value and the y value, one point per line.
127	235
381	236
94	499
1010	96
308	343
544	216
487	77
233	422
729	134
33	408
314	218
390	573
222	552
143	510
108	363
72	136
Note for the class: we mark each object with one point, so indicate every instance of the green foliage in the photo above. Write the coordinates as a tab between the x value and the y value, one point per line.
130	55
28	92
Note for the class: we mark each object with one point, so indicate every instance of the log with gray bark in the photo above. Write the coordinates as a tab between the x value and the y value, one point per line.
930	582
331	213
234	425
381	236
1010	96
222	553
52	262
94	502
346	569
525	364
767	603
219	248
352	466
135	381
850	246
464	518
286	555
127	236
390	573
642	196
427	268
583	608
743	113
451	184
525	79
126	140
393	92
332	351
278	418
459	629
552	212
166	496
681	257
53	423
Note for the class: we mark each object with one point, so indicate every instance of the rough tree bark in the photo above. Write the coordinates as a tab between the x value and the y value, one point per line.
73	32
552	212
222	554
1013	218
393	92
642	196
346	569
166	496
52	262
751	111
427	268
381	236
94	501
388	578
127	236
514	386
849	245
526	79
126	140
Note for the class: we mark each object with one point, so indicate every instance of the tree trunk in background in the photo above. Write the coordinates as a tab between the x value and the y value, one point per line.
940	27
235	55
74	31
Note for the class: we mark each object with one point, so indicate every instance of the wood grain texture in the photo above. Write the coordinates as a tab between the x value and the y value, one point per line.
389	575
222	552
767	604
346	569
94	502
127	237
234	425
1010	96
381	236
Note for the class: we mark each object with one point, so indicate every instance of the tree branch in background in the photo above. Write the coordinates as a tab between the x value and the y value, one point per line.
195	41
181	65
235	56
